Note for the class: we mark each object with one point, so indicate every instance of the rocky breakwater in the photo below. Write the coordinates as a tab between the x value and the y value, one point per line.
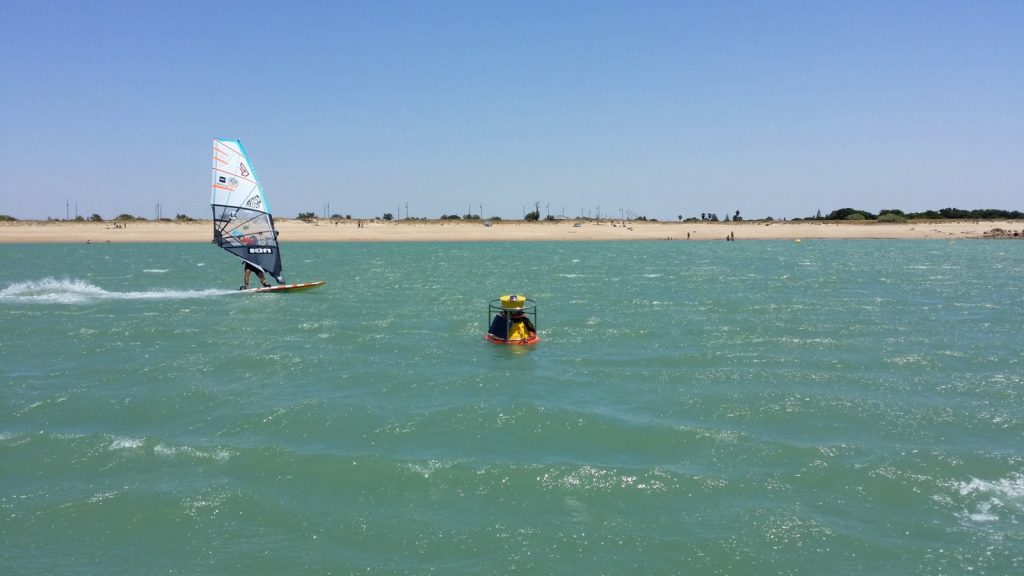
1000	234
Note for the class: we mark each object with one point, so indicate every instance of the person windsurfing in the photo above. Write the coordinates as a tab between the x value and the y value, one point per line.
259	274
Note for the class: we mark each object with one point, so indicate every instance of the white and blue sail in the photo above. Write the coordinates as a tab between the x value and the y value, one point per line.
242	222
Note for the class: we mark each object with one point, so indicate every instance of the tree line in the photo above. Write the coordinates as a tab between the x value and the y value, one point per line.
890	215
943	214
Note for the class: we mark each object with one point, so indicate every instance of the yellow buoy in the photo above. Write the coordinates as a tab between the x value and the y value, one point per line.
513	302
513	320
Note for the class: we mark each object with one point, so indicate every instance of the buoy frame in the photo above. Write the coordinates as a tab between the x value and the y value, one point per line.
510	309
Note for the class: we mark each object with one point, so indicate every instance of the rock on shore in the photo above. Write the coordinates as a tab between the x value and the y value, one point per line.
1000	234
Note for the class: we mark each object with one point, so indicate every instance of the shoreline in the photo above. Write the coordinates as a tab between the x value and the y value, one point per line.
292	230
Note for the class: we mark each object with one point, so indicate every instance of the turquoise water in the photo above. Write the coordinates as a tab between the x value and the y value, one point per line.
840	407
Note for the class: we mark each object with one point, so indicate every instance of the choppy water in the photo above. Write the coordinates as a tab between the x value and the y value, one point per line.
844	407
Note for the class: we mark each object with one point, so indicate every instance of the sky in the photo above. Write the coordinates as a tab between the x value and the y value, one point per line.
775	108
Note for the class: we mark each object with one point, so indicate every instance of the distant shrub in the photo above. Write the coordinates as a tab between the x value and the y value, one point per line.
95	218
855	216
6	218
943	214
891	218
845	213
127	218
183	218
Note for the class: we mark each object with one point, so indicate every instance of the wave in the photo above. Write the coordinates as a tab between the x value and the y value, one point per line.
989	501
54	291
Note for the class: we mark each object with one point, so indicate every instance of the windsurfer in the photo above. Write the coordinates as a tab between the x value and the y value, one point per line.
259	274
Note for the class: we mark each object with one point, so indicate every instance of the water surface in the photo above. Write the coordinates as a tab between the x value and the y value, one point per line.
693	408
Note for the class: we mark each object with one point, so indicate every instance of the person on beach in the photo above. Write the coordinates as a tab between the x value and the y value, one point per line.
259	274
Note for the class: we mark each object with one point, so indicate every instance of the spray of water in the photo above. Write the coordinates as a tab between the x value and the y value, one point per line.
72	291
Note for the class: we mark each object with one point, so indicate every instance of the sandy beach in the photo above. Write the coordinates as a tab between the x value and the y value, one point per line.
29	232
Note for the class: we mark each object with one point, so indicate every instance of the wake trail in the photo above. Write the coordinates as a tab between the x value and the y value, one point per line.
68	291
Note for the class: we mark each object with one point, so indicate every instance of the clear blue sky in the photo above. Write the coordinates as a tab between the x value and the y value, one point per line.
774	108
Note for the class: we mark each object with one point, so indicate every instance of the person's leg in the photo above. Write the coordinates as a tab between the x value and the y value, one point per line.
245	283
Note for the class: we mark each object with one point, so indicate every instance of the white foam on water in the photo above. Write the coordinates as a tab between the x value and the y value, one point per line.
595	479
204	505
67	291
125	444
218	454
991	501
101	496
1010	487
156	271
427	469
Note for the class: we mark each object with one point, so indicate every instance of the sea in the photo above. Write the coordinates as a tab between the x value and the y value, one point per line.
734	408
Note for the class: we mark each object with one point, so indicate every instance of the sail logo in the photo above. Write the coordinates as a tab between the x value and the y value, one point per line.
241	168
230	183
254	202
261	251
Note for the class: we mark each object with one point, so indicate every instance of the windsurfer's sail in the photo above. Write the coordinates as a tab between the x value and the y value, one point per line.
242	223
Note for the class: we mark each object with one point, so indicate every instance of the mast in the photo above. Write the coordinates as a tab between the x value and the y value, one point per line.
242	221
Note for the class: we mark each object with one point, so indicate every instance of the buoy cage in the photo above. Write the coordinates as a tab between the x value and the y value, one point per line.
507	321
